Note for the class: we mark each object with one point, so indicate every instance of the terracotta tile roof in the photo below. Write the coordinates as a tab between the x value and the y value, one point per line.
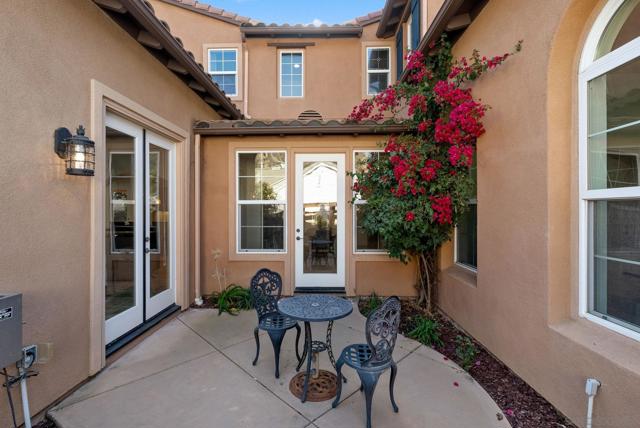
297	127
213	12
234	18
139	20
300	30
367	19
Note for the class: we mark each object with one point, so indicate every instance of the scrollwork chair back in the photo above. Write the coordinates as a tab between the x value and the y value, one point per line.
382	331
266	288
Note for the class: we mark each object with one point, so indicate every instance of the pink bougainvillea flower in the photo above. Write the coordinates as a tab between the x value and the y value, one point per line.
509	412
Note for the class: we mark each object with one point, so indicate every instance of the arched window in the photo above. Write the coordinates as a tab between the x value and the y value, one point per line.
609	104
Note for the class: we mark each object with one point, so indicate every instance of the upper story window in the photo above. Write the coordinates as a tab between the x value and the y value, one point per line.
261	201
223	68
610	169
466	232
364	242
291	74
378	69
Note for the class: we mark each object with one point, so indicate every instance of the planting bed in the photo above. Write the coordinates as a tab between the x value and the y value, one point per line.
520	403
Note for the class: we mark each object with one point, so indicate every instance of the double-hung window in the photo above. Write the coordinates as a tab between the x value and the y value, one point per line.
291	74
223	68
610	170
364	242
261	201
466	232
378	69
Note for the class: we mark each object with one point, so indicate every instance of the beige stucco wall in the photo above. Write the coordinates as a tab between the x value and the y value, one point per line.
51	51
334	76
334	69
365	273
522	305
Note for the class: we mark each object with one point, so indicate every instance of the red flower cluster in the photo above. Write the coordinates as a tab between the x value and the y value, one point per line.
410	216
461	155
411	169
362	110
418	102
424	126
463	126
430	169
416	67
442	211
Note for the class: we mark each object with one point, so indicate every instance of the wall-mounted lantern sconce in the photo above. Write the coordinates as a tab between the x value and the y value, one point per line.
78	151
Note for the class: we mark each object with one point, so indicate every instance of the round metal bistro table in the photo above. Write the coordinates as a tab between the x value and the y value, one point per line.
314	308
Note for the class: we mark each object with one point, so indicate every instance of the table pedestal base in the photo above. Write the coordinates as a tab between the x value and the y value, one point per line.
322	388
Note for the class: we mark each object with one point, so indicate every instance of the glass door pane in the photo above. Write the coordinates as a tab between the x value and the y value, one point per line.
320	203
159	231
121	223
159	225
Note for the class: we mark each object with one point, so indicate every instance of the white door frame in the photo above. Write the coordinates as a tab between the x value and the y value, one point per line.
320	280
145	306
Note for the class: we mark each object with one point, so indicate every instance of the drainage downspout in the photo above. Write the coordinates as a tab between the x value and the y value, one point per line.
198	299
245	97
591	389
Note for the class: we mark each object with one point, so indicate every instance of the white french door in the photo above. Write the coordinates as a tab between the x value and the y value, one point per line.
320	221
139	226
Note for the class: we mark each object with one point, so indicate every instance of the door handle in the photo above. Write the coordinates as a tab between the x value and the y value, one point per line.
147	250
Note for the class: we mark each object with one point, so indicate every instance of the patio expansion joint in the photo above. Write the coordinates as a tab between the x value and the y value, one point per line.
221	351
357	390
61	407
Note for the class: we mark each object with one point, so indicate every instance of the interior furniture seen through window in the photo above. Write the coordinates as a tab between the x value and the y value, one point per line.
364	242
378	69
223	68
262	201
291	74
609	169
466	243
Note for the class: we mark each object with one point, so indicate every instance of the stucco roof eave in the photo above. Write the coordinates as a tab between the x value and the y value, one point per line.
297	127
138	19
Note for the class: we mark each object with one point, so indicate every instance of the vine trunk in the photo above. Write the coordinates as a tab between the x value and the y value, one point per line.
427	284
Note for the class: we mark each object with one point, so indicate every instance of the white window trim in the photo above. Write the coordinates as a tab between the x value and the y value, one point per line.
275	202
361	202
470	268
235	73
409	30
589	70
388	70
283	51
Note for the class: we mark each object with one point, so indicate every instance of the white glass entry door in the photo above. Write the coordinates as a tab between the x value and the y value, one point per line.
139	226
320	220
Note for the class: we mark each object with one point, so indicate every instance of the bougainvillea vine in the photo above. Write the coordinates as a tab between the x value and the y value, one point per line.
417	191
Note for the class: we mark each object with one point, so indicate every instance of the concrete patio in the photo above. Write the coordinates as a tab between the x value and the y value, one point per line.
196	371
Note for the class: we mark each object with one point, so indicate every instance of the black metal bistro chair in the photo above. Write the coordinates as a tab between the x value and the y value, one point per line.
374	357
266	288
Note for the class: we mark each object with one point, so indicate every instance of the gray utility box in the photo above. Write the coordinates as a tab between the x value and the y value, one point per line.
10	329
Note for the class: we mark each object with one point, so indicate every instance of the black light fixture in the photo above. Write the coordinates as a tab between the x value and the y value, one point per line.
78	151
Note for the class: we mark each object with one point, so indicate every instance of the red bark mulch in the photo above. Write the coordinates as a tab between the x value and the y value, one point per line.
520	403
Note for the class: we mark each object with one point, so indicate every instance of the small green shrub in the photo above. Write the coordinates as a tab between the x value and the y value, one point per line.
372	303
426	331
466	351
232	300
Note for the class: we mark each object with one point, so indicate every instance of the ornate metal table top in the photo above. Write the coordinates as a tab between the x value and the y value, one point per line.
315	307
